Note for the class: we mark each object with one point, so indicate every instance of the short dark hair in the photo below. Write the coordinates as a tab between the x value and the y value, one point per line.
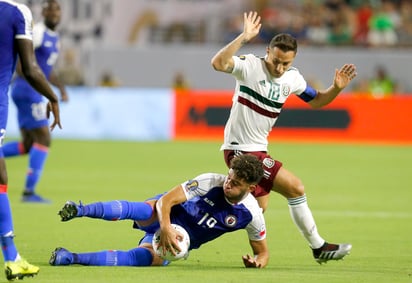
284	42
248	168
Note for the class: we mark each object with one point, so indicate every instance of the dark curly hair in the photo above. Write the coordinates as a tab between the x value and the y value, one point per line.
247	167
284	42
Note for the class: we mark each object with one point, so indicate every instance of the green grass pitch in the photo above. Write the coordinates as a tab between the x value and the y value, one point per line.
358	193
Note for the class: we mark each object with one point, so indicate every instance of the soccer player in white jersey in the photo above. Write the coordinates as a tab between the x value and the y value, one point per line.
16	27
32	116
262	87
206	206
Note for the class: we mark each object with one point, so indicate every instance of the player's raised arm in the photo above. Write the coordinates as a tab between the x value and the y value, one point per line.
260	256
223	60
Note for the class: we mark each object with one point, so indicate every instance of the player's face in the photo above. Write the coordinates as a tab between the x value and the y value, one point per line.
52	14
235	189
278	62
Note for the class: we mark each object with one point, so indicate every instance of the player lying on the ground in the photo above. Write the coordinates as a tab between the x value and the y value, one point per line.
206	207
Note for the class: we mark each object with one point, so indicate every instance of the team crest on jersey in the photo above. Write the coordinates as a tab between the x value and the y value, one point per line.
242	57
268	162
285	90
230	220
191	185
262	83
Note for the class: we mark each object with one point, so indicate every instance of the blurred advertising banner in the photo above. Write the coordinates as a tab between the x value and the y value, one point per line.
203	114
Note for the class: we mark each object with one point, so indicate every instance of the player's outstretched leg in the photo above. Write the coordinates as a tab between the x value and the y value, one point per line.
110	210
16	270
331	252
135	257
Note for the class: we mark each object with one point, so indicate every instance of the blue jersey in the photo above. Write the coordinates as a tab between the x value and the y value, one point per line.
30	104
16	23
207	214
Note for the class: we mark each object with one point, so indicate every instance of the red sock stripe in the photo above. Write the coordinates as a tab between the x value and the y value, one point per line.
21	148
41	147
3	189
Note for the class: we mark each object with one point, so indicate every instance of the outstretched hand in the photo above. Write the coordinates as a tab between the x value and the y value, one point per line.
54	108
251	25
344	76
250	261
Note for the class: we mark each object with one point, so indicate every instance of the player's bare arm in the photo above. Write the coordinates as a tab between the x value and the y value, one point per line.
36	78
260	252
342	78
163	207
223	60
54	80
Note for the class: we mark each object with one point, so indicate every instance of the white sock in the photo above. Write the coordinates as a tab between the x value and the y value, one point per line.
302	216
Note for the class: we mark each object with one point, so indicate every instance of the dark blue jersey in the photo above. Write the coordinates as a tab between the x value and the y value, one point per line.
207	214
46	48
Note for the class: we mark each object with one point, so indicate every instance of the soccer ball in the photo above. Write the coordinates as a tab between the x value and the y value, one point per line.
183	245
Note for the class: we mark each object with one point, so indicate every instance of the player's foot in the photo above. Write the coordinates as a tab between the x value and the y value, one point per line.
16	270
33	198
61	256
70	210
331	252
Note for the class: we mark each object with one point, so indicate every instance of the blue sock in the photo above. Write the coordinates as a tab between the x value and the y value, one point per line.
117	210
13	148
133	257
6	227
37	157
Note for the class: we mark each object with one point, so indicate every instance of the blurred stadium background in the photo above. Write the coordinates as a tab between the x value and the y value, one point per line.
146	43
125	60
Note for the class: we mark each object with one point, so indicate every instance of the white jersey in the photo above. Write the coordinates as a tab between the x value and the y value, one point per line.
257	102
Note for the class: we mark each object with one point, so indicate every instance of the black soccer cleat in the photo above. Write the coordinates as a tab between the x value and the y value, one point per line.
70	210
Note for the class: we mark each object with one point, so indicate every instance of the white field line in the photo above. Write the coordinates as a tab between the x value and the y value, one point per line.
354	213
364	214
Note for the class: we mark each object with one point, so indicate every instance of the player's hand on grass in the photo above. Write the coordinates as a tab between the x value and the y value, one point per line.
250	261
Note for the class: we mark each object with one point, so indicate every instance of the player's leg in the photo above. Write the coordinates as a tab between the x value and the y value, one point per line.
135	257
15	266
13	148
110	210
291	187
38	140
143	255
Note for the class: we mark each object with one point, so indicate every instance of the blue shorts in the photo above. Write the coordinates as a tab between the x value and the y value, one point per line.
31	106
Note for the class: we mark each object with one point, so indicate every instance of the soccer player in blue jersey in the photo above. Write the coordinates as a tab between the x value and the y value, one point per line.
31	106
263	84
207	206
16	41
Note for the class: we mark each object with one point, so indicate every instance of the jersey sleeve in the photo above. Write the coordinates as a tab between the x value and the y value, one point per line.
256	229
302	89
201	184
24	23
242	64
38	34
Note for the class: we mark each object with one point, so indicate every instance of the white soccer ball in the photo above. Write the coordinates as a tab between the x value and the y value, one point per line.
183	245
